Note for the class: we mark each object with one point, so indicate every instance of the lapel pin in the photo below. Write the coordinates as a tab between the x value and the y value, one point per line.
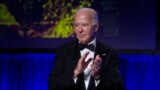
103	54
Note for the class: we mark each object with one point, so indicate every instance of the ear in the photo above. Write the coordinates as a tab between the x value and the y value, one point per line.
96	27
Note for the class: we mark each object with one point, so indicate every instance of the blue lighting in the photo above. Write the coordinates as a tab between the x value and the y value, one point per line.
30	71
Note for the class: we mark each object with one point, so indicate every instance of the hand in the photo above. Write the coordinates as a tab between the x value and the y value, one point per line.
96	67
82	65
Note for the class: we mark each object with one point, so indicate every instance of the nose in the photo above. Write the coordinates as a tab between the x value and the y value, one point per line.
80	29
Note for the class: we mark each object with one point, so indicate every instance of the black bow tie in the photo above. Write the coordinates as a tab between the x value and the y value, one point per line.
90	46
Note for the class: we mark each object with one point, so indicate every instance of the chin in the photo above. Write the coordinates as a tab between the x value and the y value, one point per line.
82	41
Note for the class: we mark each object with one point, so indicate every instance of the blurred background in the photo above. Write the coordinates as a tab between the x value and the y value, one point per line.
30	30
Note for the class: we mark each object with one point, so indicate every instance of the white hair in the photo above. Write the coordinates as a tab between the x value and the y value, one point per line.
93	12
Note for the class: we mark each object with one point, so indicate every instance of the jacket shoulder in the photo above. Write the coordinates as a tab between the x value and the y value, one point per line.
105	48
67	46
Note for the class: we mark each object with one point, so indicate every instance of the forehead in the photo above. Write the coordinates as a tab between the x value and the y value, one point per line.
85	16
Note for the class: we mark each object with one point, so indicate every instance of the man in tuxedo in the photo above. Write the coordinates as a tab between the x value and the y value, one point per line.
85	64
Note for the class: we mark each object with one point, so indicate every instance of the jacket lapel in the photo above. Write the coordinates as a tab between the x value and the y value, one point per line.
76	54
102	51
98	51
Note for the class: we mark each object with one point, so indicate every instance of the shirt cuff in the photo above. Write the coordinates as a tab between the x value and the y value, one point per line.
75	79
96	82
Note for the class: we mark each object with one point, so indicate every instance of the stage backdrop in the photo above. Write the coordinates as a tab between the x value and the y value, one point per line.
124	24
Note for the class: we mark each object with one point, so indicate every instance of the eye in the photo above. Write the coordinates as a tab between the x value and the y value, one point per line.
75	25
85	24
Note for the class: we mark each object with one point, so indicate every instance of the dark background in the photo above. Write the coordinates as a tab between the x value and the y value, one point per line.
127	25
124	25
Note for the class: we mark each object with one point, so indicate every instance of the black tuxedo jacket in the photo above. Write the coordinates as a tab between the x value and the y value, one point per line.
61	77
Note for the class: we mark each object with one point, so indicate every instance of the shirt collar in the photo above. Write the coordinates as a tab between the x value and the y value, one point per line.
93	42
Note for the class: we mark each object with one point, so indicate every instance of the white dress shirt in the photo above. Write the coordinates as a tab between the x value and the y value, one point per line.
87	71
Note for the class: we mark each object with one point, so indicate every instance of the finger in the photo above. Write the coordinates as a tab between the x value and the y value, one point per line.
95	68
89	60
84	56
98	59
94	65
97	63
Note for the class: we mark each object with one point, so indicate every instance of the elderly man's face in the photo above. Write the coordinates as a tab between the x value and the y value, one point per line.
84	27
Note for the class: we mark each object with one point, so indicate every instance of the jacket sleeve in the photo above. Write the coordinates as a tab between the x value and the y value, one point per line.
110	74
60	78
